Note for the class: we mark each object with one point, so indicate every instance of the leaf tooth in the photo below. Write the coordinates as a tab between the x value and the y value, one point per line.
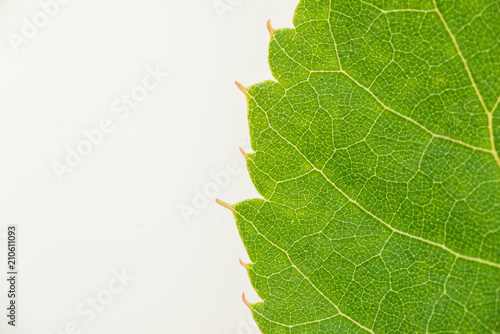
244	153
272	31
242	88
245	300
245	265
224	204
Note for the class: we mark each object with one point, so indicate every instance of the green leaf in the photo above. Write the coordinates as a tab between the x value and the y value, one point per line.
375	156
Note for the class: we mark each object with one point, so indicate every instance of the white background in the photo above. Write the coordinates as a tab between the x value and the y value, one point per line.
119	209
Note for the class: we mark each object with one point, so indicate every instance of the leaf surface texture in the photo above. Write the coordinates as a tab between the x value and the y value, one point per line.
376	154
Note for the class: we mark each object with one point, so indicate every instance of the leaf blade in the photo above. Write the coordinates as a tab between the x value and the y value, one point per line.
379	178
